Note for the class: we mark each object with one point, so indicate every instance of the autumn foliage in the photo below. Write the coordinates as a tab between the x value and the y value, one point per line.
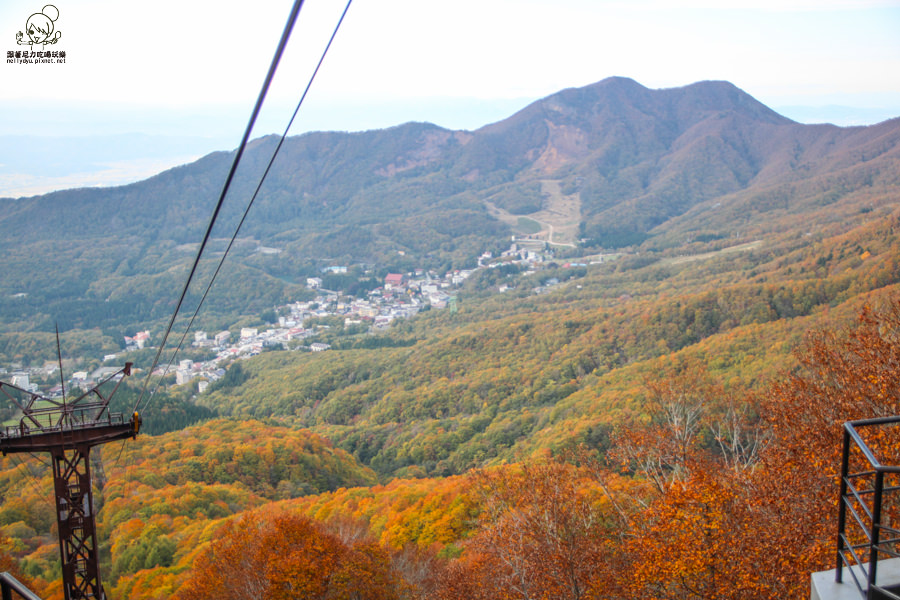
284	556
756	524
546	531
731	495
711	491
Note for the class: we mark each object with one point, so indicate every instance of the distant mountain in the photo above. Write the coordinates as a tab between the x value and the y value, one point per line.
35	164
639	158
844	116
748	233
603	166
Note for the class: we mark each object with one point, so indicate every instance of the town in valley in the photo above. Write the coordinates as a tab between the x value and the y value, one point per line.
297	326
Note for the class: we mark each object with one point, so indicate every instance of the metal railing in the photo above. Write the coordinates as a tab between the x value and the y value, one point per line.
78	419
869	509
9	584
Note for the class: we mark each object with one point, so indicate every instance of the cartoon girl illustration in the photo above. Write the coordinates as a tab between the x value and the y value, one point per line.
39	28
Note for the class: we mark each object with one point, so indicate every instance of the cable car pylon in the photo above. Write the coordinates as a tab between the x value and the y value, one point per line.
68	431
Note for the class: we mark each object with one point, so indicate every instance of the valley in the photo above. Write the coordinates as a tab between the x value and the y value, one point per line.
619	259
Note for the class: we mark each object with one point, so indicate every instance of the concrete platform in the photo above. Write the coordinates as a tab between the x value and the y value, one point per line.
824	587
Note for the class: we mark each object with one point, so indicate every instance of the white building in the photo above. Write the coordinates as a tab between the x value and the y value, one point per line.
141	338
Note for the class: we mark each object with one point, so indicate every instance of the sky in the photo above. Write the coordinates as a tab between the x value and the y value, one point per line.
187	72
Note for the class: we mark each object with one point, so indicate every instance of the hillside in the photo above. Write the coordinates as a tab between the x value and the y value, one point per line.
609	165
428	453
152	489
511	374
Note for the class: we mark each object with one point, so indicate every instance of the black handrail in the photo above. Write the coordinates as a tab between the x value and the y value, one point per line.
866	490
9	584
78	420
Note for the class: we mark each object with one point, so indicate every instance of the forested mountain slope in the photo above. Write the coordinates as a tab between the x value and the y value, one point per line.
517	372
427	452
630	164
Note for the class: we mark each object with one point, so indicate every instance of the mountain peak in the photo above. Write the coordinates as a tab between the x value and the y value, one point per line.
616	100
617	82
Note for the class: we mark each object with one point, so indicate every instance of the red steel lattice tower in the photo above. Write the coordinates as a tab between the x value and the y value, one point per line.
68	431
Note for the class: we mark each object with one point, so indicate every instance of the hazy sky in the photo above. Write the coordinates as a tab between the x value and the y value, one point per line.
195	66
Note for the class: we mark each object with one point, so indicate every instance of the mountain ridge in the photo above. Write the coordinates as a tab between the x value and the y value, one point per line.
738	234
630	164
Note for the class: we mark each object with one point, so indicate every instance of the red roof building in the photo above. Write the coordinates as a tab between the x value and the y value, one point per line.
393	280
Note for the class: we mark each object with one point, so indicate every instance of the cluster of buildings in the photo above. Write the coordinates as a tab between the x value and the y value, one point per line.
79	381
402	296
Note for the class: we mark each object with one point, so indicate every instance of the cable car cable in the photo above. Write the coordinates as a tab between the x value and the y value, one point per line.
292	18
255	193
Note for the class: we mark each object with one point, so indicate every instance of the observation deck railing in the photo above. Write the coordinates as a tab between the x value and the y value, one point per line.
9	584
55	422
869	509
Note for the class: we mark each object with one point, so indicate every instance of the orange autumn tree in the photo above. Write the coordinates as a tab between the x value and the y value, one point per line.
746	507
9	564
283	556
695	542
546	532
696	448
845	375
